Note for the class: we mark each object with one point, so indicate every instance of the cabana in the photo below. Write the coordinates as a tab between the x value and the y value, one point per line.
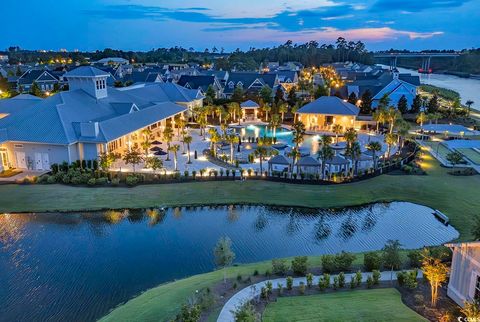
337	164
279	163
249	110
308	164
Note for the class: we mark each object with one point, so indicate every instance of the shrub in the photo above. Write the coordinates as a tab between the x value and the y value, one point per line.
341	279
115	182
279	266
344	261
234	286
264	293
335	282
372	261
239	277
408	279
227	172
91	182
185	174
299	265
280	289
353	283
376	277
255	273
189	313
269	287
267	273
328	263
194	174
370	281
289	282
51	179
101	181
301	288
358	278
131	181
76	180
309	280
415	257
245	312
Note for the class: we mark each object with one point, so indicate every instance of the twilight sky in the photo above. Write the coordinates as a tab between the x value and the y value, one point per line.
146	24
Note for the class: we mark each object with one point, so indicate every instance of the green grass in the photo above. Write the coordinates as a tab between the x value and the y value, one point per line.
456	196
470	154
364	305
442	150
163	302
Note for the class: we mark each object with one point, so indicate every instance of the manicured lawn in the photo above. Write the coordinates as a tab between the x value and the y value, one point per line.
162	303
471	154
364	305
456	196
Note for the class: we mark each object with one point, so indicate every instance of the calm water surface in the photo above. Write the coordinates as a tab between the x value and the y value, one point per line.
78	266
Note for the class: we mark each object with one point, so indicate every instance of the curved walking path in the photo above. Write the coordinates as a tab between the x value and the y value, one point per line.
251	292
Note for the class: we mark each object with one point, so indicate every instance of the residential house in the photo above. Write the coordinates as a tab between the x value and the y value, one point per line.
112	61
221	75
464	282
250	82
88	119
45	80
201	82
394	84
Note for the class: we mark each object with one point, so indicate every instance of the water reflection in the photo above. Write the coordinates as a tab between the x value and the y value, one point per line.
77	266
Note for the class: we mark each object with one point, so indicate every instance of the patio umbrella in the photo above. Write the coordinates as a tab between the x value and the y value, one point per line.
156	142
156	148
160	153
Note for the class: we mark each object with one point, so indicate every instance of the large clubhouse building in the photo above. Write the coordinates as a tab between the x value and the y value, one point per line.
88	119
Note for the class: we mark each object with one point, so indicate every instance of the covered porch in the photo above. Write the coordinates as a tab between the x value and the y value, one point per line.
325	122
249	111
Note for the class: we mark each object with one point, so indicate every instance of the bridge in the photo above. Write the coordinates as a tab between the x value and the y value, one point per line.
426	58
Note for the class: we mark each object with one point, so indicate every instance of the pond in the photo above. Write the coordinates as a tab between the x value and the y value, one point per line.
78	266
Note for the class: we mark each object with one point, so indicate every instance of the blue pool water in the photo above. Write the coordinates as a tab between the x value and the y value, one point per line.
78	266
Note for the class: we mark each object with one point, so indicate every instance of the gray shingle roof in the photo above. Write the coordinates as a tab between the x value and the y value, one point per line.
249	104
329	105
279	159
308	161
86	71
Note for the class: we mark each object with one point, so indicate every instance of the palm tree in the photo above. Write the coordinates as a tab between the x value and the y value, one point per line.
282	109
391	116
219	111
266	108
337	129
294	110
214	139
180	122
421	118
234	109
350	136
187	139
354	151
274	123
262	150
298	138
374	147
326	152
434	117
390	139
168	137
379	117
469	104
402	130
232	139
174	148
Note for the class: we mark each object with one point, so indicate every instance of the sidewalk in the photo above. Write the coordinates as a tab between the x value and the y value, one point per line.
253	291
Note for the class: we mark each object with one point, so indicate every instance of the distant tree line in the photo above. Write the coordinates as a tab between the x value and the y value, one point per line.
308	54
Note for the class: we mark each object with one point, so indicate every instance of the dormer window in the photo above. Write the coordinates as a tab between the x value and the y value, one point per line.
240	84
231	84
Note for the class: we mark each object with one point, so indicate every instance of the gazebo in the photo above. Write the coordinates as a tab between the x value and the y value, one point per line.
337	164
308	164
279	163
249	110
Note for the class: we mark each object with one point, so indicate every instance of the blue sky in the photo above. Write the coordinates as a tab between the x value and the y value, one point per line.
146	24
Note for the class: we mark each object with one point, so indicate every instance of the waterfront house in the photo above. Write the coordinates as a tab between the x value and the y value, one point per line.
87	120
464	282
324	112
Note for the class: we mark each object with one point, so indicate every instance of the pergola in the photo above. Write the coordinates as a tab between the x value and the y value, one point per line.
249	108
